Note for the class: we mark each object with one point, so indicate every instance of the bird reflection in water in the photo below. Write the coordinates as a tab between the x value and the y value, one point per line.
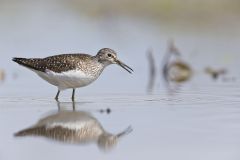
175	70
76	127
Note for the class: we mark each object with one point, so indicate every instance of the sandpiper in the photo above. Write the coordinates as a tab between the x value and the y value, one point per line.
72	70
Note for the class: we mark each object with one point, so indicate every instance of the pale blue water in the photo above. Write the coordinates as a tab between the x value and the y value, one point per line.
200	121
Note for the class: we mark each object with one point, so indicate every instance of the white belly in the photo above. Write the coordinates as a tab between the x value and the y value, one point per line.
65	80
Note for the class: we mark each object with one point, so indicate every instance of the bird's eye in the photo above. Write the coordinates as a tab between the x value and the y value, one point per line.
109	55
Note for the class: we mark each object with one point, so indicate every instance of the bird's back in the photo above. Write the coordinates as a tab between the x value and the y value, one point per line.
57	63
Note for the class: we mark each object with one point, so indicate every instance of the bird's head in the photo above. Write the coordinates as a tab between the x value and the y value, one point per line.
108	56
107	141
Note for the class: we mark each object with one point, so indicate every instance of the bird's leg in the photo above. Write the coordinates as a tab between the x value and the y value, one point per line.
56	98
73	94
59	106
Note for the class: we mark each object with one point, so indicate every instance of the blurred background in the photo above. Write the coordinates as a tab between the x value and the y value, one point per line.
205	31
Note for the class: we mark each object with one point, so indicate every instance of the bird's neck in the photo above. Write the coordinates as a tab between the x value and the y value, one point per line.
95	68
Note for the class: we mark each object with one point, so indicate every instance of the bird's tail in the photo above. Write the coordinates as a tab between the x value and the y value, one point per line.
22	61
27	62
23	132
30	131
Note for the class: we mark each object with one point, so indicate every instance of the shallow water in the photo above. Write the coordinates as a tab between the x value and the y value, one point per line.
187	125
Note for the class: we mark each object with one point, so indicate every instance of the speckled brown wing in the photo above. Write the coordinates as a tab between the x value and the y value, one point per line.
58	63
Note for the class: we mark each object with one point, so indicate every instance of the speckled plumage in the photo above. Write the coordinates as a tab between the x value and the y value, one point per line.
72	70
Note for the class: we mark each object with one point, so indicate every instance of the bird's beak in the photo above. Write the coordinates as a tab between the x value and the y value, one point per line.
124	66
125	132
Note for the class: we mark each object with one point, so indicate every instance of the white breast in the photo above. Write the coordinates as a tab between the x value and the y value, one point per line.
68	79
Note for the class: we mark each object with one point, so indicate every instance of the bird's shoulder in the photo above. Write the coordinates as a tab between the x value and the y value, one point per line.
64	62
